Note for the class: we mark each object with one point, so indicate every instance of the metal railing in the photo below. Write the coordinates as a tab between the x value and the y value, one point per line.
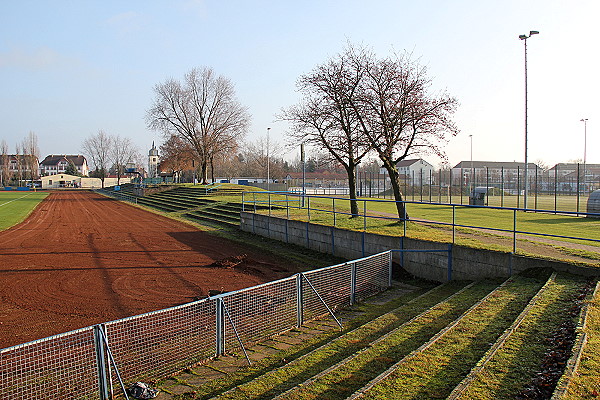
254	201
94	362
119	195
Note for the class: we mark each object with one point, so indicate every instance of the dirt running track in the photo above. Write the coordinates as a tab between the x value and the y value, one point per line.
81	259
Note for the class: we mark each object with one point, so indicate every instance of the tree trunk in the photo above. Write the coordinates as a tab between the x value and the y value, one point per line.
395	180
212	170
204	172
350	170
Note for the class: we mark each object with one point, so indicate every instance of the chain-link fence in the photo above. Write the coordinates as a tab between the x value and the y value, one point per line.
91	362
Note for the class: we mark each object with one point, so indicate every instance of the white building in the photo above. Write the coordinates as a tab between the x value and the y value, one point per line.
61	181
153	162
56	164
416	170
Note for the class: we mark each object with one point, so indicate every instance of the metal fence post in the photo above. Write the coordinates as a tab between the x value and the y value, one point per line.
101	363
514	230
219	328
299	301
453	222
333	240
390	270
352	283
364	215
449	261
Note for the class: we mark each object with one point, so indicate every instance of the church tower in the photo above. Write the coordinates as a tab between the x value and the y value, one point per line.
153	162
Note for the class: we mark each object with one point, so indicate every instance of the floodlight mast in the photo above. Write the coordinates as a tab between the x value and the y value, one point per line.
584	120
524	39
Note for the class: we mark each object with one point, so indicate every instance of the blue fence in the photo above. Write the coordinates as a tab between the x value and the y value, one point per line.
253	201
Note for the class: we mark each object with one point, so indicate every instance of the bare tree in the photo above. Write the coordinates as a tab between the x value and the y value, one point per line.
5	173
542	164
176	155
99	148
123	151
202	110
326	117
31	154
398	114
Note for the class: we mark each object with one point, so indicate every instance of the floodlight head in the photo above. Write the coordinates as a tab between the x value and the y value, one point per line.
583	119
522	37
533	33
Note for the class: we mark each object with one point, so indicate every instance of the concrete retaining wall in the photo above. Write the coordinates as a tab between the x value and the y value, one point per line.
465	262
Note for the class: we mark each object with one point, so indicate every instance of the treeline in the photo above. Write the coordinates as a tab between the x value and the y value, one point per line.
22	165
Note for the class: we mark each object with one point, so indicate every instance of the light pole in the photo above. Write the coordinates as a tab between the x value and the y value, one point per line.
524	39
584	120
268	163
472	169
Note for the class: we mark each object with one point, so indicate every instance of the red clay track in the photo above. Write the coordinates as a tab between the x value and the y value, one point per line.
81	259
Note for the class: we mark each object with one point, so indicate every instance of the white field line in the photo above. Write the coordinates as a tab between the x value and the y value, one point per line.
3	204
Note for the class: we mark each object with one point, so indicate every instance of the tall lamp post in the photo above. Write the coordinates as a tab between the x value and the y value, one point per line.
268	163
472	169
584	120
524	39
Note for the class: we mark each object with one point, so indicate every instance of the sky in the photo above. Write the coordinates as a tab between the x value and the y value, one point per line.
71	68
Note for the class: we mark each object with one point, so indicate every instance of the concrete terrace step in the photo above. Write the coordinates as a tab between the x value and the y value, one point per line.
212	218
522	340
348	374
454	350
218	375
336	353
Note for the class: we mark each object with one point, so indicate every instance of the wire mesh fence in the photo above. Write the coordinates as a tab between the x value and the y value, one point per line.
156	344
58	367
89	363
260	312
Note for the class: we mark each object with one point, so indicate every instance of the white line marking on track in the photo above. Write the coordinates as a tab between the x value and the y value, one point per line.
3	204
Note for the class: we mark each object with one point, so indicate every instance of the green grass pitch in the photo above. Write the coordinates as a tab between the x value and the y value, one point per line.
15	206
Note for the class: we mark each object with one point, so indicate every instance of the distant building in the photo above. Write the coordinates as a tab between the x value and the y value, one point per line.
415	170
61	181
564	169
57	164
18	166
465	169
153	162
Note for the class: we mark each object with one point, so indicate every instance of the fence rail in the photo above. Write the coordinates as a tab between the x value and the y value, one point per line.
309	206
88	363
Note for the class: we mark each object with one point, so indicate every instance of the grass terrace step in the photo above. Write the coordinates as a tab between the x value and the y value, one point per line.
159	204
182	201
424	314
436	368
511	364
584	384
219	220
